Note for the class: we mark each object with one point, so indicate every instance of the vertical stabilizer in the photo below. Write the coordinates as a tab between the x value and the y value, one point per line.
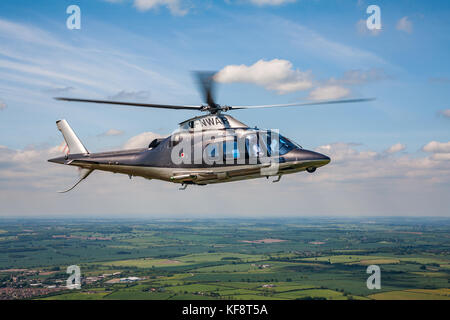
74	144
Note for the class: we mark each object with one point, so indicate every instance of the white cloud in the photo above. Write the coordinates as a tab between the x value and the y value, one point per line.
141	140
271	2
112	132
437	147
404	24
441	156
445	113
173	5
348	164
27	168
342	152
396	148
361	27
334	88
329	92
276	74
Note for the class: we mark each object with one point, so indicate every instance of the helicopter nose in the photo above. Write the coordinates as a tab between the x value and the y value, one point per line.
311	158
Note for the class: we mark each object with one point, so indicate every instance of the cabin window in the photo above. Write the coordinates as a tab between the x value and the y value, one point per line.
211	150
231	149
252	145
273	146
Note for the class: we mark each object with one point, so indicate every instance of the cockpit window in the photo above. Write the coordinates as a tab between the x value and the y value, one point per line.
283	144
286	145
154	143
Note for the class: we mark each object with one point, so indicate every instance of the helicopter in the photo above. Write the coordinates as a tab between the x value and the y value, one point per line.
206	149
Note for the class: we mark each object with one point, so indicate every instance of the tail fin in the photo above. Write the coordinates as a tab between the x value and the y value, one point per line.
74	144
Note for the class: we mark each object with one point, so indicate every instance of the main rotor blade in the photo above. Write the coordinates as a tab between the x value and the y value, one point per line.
205	81
136	104
300	104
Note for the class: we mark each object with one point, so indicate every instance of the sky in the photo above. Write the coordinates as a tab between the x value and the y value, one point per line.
389	157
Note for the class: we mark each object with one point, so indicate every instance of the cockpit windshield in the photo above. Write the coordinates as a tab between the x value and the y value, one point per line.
283	144
287	145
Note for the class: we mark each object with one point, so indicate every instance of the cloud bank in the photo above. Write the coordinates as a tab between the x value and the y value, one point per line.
279	75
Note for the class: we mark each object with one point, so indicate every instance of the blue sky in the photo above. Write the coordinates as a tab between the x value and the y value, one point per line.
390	156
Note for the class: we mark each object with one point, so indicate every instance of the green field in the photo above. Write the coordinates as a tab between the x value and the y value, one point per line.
224	259
438	294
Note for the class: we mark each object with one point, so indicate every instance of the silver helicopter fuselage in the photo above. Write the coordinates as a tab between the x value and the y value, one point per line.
204	150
